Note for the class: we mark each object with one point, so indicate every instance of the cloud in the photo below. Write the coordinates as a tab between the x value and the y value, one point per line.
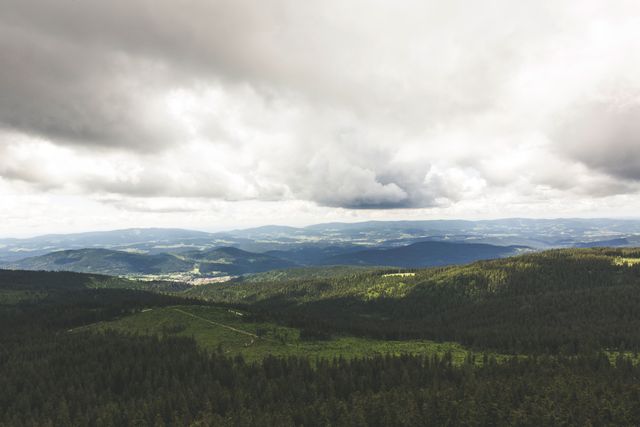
158	205
604	135
68	94
349	105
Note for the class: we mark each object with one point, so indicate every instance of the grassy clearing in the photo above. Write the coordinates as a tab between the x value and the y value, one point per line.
399	275
613	355
219	328
628	262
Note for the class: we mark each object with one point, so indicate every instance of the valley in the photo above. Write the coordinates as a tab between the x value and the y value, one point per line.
198	258
280	213
489	335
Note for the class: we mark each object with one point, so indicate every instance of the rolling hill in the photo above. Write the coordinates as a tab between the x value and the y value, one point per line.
565	324
104	261
554	301
423	254
148	240
308	245
234	261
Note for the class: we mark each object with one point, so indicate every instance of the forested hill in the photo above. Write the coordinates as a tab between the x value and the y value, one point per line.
58	371
424	254
105	261
234	261
560	300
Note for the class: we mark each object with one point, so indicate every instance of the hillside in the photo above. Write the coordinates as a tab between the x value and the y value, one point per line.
561	300
423	254
21	280
234	261
141	355
104	261
149	240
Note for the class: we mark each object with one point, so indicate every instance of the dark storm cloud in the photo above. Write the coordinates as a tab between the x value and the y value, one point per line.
604	135
400	188
87	72
68	94
84	71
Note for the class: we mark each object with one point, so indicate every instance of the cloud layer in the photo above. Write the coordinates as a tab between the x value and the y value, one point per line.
436	107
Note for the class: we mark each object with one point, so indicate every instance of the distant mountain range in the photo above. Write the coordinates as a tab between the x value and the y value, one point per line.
233	261
391	243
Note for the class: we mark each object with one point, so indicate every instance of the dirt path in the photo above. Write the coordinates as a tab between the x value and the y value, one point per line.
240	331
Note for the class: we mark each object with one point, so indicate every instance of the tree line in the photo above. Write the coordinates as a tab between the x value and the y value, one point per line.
109	379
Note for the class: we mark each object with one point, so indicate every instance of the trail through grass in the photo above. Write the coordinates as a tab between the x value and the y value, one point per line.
218	328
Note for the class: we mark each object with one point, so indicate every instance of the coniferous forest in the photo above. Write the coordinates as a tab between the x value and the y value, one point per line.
328	213
552	339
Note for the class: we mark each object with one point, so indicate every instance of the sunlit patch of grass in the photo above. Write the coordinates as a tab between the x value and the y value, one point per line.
387	290
626	262
614	355
399	275
256	340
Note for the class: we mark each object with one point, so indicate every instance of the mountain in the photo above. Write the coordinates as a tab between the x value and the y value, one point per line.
268	230
116	237
566	300
235	261
148	240
573	325
536	233
314	255
619	242
424	254
310	245
105	261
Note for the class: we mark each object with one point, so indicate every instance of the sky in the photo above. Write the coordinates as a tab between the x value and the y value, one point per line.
211	114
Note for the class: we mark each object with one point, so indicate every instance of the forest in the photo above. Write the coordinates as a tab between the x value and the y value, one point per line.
567	301
552	338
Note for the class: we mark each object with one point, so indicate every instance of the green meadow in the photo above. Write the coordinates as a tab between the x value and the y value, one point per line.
226	330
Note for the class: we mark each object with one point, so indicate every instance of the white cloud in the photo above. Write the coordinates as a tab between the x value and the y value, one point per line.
427	108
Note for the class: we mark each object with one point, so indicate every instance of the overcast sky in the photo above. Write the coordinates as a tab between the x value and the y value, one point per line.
215	114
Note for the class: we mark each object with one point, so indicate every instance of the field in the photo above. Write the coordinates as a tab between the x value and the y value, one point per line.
626	262
221	329
13	296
